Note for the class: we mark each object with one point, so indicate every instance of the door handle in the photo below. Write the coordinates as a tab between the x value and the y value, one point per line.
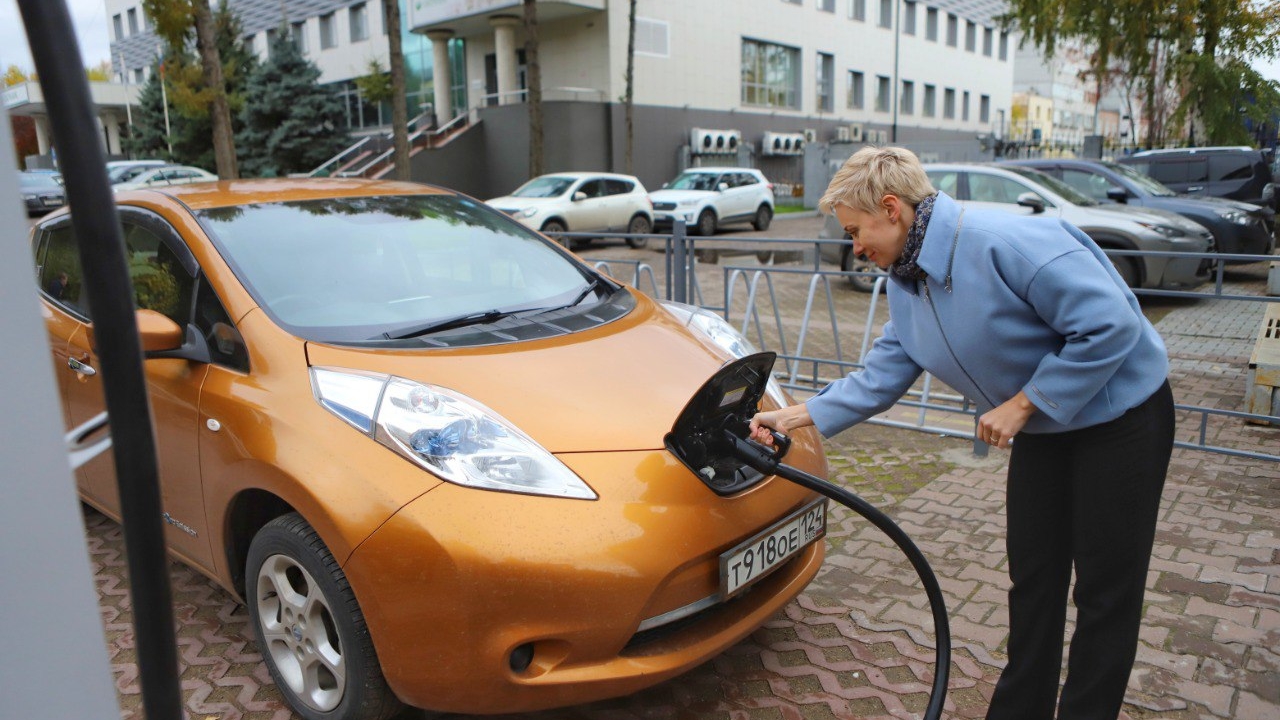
80	367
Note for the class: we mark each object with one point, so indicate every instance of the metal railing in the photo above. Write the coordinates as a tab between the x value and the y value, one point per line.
355	147
809	329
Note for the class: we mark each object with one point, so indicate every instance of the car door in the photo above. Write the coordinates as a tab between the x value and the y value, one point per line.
591	212
619	203
162	271
1090	184
1002	193
738	196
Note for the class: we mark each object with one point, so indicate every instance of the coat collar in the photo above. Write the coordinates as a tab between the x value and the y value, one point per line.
939	238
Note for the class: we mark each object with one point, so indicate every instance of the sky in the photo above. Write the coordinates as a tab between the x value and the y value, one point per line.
91	21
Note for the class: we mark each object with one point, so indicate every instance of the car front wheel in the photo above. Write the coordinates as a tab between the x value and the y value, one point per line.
706	223
309	626
639	225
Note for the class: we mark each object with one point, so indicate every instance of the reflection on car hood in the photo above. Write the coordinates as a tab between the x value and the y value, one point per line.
1209	202
618	387
1149	215
678	195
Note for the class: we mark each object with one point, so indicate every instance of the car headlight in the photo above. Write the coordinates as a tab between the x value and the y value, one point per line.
526	213
1234	216
445	433
1168	231
724	335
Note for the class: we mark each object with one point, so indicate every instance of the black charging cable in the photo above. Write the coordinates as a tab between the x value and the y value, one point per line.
768	461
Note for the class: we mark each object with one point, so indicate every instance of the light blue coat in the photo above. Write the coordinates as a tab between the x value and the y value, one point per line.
1011	303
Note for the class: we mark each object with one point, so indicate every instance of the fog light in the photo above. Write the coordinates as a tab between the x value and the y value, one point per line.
521	657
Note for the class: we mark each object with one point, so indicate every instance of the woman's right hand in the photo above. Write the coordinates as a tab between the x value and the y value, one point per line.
782	420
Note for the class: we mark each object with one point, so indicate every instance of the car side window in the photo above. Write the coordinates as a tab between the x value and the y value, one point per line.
989	188
1091	184
1169	172
1198	171
1230	167
592	188
226	345
617	187
160	283
746	179
58	269
945	181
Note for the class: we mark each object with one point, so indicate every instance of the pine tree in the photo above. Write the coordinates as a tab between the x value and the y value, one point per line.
291	122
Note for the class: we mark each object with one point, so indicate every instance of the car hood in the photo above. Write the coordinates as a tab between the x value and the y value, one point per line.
1208	202
616	387
510	202
1149	215
677	196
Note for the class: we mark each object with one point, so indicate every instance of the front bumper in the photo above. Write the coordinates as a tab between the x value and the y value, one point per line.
461	578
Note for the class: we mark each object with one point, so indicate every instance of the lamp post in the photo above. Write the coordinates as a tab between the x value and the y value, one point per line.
897	34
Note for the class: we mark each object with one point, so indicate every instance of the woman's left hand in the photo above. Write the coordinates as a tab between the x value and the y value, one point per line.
997	427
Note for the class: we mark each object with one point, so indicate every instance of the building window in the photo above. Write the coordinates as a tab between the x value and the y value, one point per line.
271	42
1004	45
931	24
299	34
970	36
984	109
653	37
118	22
133	21
886	13
953	30
328	32
857	90
138	77
987	33
827	5
251	43
949	103
770	75
964	107
359	22
858	10
930	101
907	102
826	91
882	93
909	17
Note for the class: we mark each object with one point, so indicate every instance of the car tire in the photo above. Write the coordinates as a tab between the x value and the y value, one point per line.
764	216
849	263
706	226
1128	269
555	226
309	626
639	225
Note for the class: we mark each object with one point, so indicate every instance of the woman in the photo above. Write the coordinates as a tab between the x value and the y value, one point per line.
1026	317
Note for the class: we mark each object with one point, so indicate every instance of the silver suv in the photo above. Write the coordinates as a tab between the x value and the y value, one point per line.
709	197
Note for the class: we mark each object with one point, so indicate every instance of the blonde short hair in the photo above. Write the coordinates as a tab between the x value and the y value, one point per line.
873	172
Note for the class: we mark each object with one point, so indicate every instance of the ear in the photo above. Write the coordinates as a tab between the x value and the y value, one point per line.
892	204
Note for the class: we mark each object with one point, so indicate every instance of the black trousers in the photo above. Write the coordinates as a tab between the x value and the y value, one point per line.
1086	499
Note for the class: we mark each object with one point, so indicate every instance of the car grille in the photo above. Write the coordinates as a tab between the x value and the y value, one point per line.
664	206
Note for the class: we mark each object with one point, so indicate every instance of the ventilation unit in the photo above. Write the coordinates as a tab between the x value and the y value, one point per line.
778	143
810	135
842	134
857	132
714	142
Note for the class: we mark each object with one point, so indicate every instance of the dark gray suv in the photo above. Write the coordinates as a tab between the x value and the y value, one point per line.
1237	227
1240	173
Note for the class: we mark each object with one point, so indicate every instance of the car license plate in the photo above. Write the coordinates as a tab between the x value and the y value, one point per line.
757	557
52	201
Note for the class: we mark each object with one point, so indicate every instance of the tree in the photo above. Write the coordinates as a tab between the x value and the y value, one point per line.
291	122
629	100
535	87
399	113
15	75
178	21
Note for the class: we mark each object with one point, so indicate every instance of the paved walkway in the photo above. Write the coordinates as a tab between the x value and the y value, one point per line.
858	643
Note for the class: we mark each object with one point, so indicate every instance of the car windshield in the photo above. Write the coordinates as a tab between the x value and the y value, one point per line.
694	181
1146	182
355	268
39	181
1068	193
546	186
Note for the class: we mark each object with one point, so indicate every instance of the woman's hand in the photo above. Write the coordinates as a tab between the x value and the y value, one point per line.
997	428
783	420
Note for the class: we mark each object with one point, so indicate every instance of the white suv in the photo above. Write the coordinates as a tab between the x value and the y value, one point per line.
581	202
709	197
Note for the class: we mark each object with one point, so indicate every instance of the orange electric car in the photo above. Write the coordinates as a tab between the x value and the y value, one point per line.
425	445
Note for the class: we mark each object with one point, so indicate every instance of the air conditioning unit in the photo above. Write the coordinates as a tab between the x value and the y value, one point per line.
857	131
780	143
842	134
810	135
703	141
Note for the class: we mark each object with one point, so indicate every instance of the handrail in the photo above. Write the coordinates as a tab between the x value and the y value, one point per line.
447	126
338	157
372	163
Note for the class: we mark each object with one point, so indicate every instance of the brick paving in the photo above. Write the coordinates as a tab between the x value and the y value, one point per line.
858	642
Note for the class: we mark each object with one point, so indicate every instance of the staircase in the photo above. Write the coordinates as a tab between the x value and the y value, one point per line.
371	157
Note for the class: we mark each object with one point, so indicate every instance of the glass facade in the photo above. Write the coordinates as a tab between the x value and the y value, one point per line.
770	75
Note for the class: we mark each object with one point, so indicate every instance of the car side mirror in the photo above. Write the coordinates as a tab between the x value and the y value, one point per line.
664	185
1033	201
161	337
579	196
722	187
1118	194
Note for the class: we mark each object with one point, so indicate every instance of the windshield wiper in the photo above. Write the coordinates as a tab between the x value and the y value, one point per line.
476	318
592	285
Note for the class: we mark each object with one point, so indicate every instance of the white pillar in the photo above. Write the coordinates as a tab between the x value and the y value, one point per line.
504	41
42	133
443	78
113	134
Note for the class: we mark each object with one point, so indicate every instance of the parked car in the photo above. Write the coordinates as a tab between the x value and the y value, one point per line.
582	202
119	171
165	176
1239	173
708	198
1237	227
1026	191
41	191
425	444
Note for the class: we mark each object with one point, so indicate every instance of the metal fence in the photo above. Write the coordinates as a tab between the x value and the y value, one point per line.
821	329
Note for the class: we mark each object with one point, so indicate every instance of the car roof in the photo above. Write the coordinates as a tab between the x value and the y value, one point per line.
228	193
578	174
714	169
1194	151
